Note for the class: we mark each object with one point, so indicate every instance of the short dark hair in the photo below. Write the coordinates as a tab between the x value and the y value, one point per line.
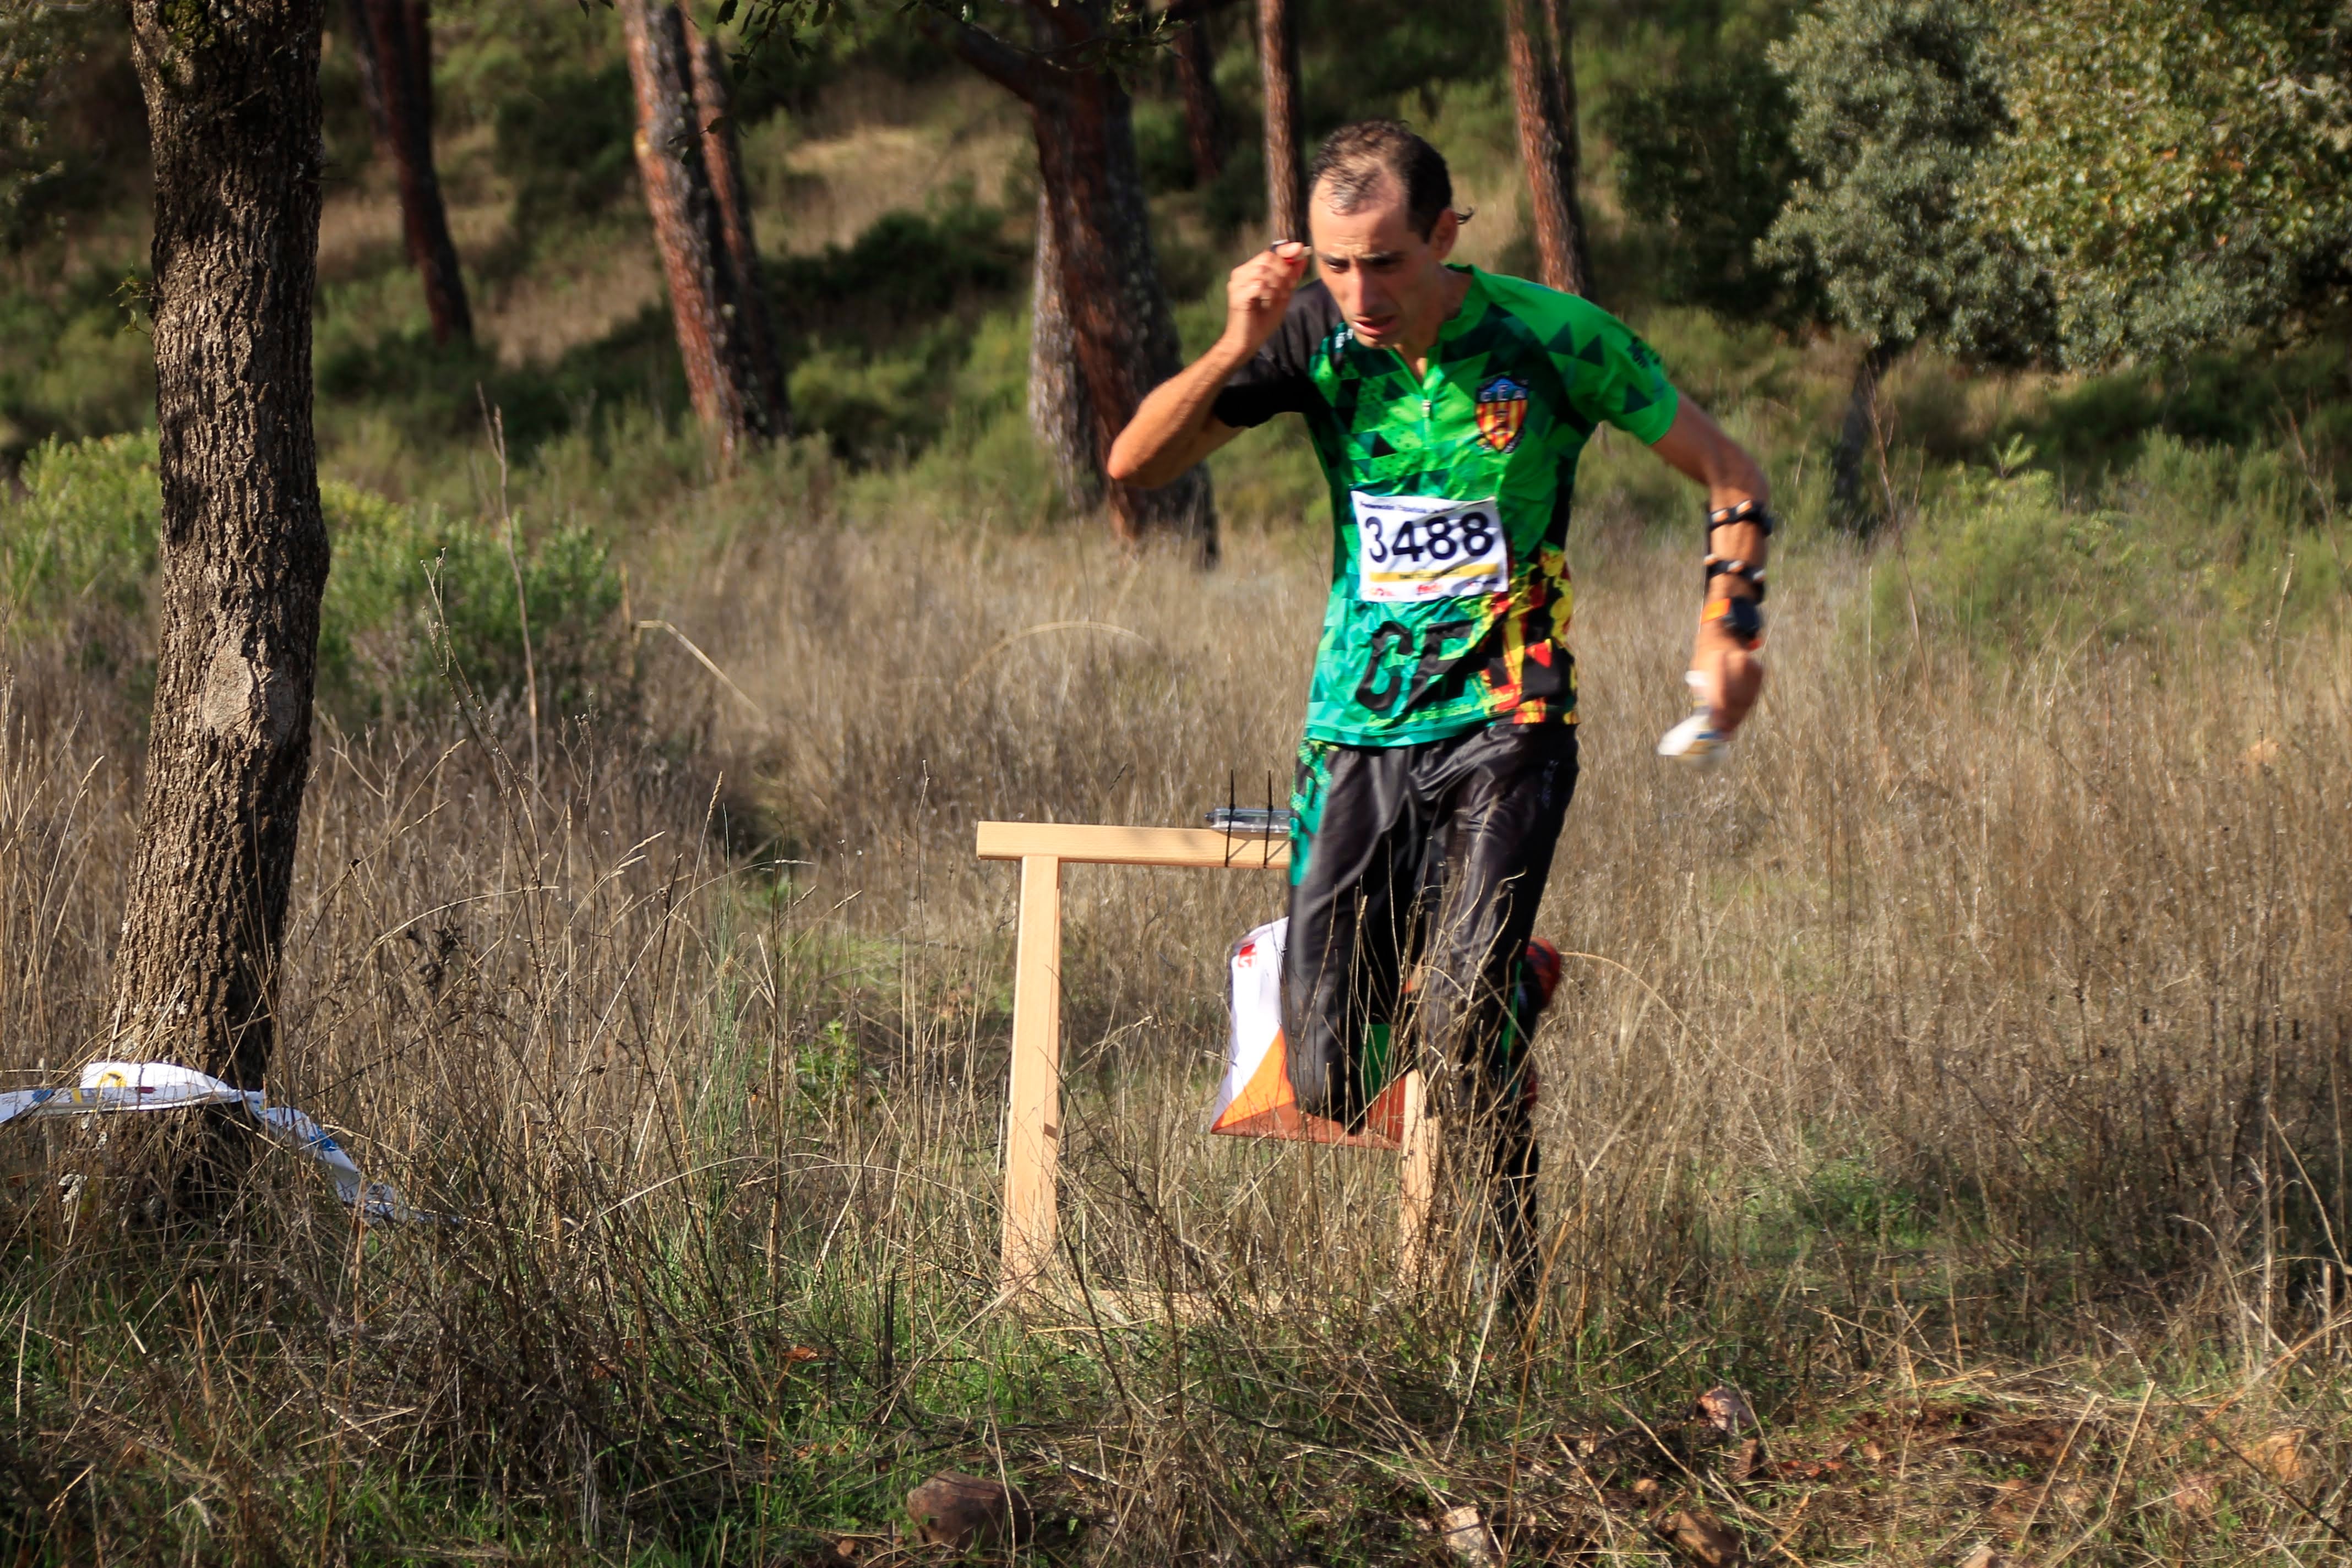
1357	160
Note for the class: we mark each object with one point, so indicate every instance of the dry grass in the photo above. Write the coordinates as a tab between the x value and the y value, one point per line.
1958	1075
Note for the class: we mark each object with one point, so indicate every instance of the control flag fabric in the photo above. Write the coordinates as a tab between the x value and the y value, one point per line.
1255	1100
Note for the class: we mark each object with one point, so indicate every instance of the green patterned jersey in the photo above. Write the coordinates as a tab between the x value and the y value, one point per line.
1450	594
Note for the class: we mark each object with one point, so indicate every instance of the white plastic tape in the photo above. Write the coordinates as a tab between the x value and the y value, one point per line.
118	1087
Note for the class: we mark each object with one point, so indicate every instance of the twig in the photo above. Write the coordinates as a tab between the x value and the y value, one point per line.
704	660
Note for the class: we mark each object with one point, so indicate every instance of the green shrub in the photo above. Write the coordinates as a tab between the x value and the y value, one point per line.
83	535
2219	539
77	559
401	575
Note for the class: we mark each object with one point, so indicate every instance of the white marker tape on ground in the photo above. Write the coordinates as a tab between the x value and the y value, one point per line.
112	1087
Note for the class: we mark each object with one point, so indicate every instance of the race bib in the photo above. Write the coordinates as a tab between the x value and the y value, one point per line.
1412	548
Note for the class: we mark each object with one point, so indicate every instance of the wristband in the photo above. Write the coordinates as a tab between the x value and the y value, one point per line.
1745	511
1717	566
1740	617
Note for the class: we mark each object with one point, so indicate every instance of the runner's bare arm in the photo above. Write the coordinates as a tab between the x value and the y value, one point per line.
1176	427
1695	444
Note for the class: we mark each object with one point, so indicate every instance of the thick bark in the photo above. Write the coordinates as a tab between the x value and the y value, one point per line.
1278	55
704	292
1124	332
232	93
1120	314
1849	507
394	40
1541	45
1204	112
723	160
1058	388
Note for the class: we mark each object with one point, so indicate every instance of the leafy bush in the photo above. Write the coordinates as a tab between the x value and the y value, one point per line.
2186	537
403	574
83	536
78	557
565	143
1708	155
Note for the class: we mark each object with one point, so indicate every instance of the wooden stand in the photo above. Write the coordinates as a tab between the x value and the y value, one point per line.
1033	1124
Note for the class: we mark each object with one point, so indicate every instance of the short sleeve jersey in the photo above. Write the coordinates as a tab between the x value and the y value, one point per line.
1450	495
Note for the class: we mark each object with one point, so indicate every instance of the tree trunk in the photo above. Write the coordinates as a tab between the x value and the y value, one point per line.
1849	507
722	159
394	40
1204	114
1123	331
1278	55
1542	44
233	115
1057	389
704	292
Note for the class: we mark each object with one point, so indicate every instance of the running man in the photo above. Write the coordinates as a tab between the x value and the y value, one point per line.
1448	407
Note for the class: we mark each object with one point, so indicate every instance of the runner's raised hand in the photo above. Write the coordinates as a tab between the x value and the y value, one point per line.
1259	291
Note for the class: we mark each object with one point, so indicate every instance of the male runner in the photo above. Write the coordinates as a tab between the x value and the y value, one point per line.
1448	407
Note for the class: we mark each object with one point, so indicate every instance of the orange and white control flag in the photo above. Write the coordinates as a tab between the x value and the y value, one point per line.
1255	1100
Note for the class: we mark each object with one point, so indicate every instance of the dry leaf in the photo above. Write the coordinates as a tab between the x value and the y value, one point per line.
2281	1455
1463	1531
959	1511
1647	1488
1726	1409
2197	1493
2013	1502
1984	1556
1746	1463
1702	1538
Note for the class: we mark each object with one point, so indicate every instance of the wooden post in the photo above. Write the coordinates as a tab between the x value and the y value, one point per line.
1033	1133
1417	1199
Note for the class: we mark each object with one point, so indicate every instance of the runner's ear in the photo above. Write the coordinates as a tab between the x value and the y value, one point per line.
1445	232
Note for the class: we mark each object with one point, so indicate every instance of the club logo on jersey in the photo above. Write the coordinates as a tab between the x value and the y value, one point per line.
1502	413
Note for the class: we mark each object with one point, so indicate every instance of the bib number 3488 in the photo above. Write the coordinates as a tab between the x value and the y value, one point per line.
1409	549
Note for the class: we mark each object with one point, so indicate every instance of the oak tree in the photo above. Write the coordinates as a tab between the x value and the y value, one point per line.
1897	102
232	91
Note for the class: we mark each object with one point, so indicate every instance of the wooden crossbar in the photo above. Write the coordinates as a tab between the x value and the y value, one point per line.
1034	1130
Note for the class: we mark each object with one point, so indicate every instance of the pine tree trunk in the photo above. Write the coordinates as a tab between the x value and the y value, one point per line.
1277	53
1057	390
233	115
394	40
1541	46
703	288
1849	507
1204	113
722	158
1124	331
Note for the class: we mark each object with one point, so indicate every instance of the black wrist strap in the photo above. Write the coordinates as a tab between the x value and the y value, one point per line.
1745	511
1740	617
1717	566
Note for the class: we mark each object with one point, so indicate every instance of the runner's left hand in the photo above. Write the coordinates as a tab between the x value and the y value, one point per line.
1731	676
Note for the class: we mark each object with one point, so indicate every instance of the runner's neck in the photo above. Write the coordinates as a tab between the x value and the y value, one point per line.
1416	354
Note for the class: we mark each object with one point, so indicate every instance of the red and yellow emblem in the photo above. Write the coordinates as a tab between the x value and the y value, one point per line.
1502	413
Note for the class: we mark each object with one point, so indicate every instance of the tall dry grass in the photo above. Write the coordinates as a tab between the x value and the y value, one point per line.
1984	1015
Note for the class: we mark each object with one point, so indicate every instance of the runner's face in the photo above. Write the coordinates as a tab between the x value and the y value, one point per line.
1390	282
